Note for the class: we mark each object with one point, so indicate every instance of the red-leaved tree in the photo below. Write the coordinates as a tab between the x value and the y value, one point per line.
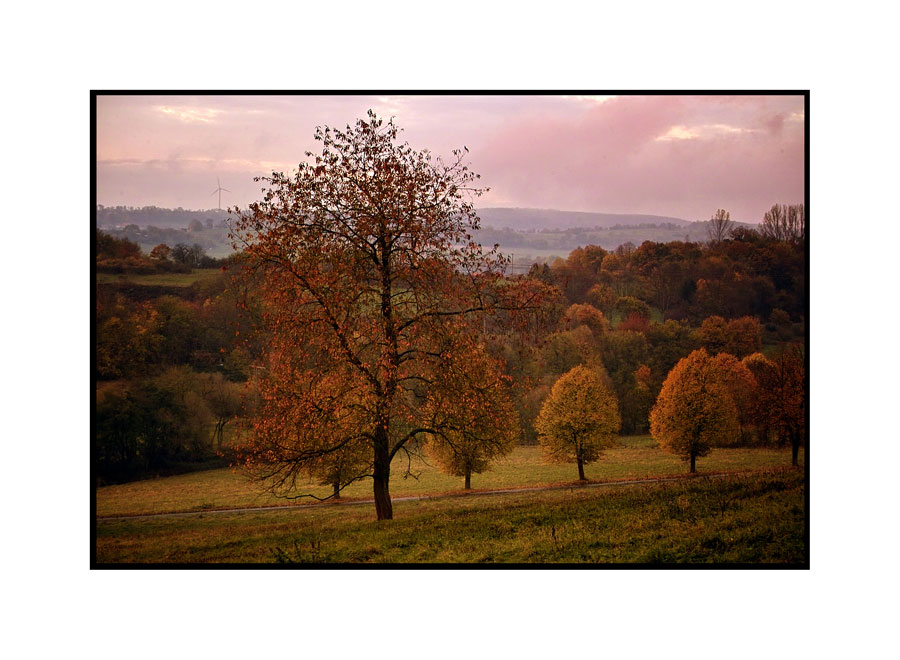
370	280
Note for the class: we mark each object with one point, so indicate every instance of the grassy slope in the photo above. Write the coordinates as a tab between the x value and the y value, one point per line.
226	488
740	519
162	279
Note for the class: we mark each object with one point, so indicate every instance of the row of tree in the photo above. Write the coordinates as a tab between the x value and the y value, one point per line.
116	254
706	402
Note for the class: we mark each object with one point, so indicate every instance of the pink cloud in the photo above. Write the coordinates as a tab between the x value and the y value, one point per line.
684	156
738	153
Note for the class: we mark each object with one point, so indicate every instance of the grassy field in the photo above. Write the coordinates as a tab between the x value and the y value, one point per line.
162	279
227	488
734	519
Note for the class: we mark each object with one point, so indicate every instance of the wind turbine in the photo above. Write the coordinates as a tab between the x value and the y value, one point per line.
219	189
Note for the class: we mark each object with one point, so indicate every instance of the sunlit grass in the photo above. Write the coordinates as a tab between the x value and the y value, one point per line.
638	457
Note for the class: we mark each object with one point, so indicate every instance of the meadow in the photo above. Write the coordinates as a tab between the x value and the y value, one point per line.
737	519
161	279
225	488
741	517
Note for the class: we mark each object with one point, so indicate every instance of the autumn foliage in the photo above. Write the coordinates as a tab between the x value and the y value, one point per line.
480	423
694	411
579	419
371	285
779	408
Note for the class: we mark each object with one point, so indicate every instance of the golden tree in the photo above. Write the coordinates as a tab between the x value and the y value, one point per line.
481	424
579	419
694	410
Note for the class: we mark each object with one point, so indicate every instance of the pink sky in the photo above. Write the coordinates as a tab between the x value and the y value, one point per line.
682	156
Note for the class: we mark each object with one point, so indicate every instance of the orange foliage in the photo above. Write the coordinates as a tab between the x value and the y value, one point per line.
780	402
471	414
694	411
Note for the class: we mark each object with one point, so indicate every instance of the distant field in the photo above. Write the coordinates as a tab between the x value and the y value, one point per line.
739	519
226	488
163	279
527	255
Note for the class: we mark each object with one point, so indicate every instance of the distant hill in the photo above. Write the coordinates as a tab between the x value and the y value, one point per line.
120	216
543	219
519	219
532	234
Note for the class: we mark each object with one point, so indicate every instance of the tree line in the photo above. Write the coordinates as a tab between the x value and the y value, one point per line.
169	369
116	254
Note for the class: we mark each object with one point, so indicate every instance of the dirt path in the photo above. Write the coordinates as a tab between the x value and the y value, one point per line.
474	493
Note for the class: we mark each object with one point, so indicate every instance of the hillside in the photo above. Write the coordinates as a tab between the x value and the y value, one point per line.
521	219
146	216
532	234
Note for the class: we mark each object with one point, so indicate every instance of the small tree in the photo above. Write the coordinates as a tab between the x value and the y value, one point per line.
467	438
713	334
744	336
602	297
578	420
719	226
586	314
781	396
785	223
340	467
224	400
694	410
627	305
161	252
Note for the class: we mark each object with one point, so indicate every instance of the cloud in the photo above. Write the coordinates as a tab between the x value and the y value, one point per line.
190	115
705	131
670	155
667	155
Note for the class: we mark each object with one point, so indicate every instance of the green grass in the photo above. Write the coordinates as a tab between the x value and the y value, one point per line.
162	279
739	519
638	457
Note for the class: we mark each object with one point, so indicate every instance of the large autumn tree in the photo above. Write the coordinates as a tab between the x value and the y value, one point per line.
694	411
369	277
579	419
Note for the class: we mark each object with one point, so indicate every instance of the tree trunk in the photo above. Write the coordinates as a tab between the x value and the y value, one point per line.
468	479
337	489
381	477
581	470
693	463
795	451
217	437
